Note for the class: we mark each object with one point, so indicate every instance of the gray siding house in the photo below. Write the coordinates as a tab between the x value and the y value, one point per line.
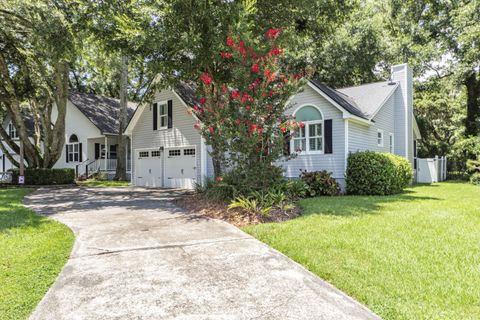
168	152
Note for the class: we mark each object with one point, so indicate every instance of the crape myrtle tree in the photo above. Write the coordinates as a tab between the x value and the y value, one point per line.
241	111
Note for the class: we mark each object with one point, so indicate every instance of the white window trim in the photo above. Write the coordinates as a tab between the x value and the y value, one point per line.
307	133
159	115
391	146
383	138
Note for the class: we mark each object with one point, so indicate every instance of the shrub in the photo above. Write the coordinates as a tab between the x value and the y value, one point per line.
376	173
475	179
320	183
295	188
45	176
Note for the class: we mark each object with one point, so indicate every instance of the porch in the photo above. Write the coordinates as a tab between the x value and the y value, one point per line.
102	157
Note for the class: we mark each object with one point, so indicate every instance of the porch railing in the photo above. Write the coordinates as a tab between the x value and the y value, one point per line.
90	167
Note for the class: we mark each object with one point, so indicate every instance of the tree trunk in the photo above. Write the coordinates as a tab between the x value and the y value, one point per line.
121	172
217	166
472	126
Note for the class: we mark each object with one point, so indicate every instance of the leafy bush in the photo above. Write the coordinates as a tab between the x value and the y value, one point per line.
320	183
377	173
295	188
475	179
249	204
45	176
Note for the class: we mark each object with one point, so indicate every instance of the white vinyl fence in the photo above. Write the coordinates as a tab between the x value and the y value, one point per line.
431	170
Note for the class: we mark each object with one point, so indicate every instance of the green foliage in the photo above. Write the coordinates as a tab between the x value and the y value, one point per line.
376	173
250	205
475	179
320	183
295	189
439	114
45	176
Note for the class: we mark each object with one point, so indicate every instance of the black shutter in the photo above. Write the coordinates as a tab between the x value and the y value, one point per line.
286	143
328	136
155	116
97	150
80	152
66	152
170	114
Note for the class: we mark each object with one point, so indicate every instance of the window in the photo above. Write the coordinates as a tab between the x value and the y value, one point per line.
309	139
392	146
163	115
156	153
189	152
174	153
380	138
12	131
113	151
143	154
73	149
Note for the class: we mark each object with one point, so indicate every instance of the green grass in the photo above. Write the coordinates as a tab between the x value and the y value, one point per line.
103	183
33	250
411	256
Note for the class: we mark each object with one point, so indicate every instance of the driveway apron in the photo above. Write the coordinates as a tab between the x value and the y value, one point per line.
137	256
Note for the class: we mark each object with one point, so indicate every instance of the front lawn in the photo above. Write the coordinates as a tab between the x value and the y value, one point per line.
409	256
103	183
33	250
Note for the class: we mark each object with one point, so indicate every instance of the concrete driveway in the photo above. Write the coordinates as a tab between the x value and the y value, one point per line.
137	256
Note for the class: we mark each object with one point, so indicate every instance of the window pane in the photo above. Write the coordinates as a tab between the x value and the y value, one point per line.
299	144
308	113
76	156
163	122
75	147
301	132
315	144
163	109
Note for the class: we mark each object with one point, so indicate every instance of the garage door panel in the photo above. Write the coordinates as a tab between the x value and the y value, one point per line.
148	168
180	168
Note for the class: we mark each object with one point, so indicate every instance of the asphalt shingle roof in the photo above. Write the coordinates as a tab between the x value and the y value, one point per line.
101	111
187	93
343	100
370	97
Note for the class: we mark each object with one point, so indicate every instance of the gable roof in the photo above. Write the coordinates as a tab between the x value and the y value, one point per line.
341	99
369	98
101	111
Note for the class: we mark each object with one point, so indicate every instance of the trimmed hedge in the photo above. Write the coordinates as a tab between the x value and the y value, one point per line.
377	173
45	176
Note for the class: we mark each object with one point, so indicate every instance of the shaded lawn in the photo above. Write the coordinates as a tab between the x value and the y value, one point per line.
33	250
409	256
103	183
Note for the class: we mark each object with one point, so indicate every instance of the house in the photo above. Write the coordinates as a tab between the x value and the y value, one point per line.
91	130
168	152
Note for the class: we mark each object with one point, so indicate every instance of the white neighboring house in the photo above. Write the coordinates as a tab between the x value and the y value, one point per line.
169	152
91	130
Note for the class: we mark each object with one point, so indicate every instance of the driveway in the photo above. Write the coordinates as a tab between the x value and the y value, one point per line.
137	256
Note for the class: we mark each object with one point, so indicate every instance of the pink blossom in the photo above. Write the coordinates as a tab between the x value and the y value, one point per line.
206	78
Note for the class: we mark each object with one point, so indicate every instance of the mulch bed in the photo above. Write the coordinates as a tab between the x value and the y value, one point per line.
217	210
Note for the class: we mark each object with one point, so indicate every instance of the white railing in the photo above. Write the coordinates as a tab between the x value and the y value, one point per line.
105	165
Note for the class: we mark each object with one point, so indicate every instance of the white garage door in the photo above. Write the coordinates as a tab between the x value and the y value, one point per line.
180	167
148	168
